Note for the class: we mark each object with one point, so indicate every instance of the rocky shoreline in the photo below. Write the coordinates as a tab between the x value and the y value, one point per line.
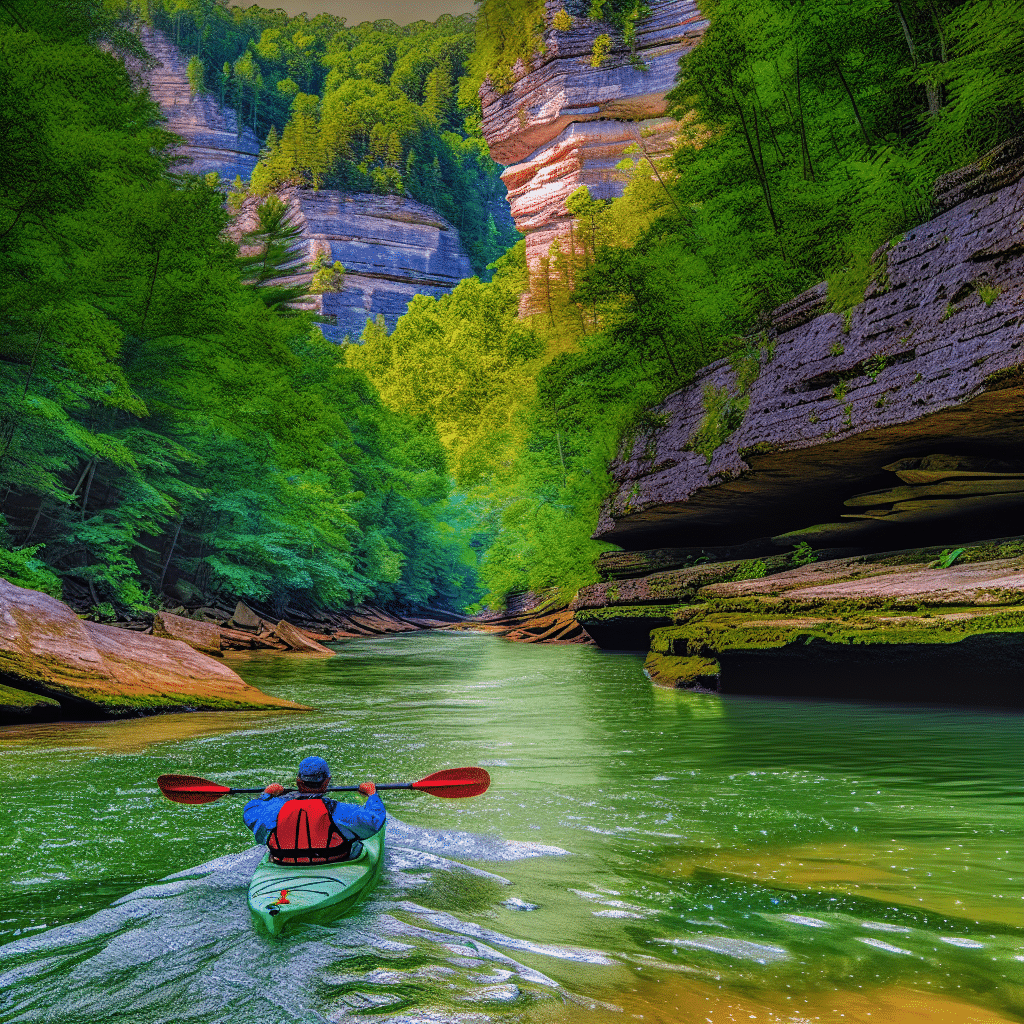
58	664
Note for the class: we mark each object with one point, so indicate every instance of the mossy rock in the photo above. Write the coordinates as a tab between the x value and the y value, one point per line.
22	705
684	673
719	632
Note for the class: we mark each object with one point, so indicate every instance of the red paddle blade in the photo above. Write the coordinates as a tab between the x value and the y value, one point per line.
455	782
188	789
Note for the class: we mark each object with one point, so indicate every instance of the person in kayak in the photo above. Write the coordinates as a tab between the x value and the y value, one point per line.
308	827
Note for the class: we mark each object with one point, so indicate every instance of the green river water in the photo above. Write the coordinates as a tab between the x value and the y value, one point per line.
641	854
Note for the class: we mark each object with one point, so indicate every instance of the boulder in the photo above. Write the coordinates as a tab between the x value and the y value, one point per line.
930	362
243	617
200	636
296	640
96	670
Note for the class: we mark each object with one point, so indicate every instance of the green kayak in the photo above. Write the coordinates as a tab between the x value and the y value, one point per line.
280	894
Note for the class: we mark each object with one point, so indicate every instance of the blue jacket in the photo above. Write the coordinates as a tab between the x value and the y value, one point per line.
353	822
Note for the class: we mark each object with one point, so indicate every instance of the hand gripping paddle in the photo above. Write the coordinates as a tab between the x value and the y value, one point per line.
450	784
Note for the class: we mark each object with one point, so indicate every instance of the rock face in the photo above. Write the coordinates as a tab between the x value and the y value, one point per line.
200	636
929	364
213	140
896	426
896	627
392	248
92	670
565	123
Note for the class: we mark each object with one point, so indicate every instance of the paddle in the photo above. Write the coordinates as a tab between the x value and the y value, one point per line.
450	784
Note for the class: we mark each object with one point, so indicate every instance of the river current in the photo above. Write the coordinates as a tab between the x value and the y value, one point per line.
641	854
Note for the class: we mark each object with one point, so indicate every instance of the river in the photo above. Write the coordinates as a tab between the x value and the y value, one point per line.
641	854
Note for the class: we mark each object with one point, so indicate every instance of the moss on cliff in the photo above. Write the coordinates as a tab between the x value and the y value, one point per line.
715	632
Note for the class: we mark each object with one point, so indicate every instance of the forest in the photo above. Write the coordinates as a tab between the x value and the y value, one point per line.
810	136
165	418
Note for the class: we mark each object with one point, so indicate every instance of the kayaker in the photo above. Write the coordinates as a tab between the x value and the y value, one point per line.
308	827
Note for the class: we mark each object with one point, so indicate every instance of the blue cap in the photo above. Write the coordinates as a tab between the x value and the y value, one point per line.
314	769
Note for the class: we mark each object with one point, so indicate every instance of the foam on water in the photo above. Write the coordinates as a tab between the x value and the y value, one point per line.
185	949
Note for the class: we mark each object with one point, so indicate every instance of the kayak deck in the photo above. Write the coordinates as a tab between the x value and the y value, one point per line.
280	894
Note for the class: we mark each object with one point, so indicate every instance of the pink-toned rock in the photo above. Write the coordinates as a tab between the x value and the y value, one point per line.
930	362
980	584
93	668
298	641
200	636
565	123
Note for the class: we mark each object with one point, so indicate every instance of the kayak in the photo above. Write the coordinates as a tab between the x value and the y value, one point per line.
281	894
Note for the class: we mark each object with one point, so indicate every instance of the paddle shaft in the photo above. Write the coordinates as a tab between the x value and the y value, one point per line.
343	789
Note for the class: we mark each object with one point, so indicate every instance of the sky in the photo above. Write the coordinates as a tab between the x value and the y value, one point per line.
403	12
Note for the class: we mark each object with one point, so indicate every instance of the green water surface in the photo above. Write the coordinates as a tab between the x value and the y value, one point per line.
724	859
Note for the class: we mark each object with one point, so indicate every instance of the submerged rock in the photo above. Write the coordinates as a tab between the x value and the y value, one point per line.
94	670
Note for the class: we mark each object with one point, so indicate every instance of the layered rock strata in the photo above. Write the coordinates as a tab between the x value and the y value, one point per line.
392	249
565	123
213	139
931	363
55	665
894	628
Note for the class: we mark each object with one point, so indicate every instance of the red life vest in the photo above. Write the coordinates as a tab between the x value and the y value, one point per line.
306	834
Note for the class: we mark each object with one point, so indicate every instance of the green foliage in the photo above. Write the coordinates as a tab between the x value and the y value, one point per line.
753	570
803	554
723	414
196	75
988	293
23	569
562	20
599	52
167	411
948	558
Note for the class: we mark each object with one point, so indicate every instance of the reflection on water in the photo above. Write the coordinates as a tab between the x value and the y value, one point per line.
640	853
132	735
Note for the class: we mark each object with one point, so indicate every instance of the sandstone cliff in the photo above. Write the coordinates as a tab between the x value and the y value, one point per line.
565	123
392	248
213	139
895	425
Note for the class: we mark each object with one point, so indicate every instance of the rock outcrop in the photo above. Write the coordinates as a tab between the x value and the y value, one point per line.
392	248
893	431
895	627
565	123
930	364
55	665
214	140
